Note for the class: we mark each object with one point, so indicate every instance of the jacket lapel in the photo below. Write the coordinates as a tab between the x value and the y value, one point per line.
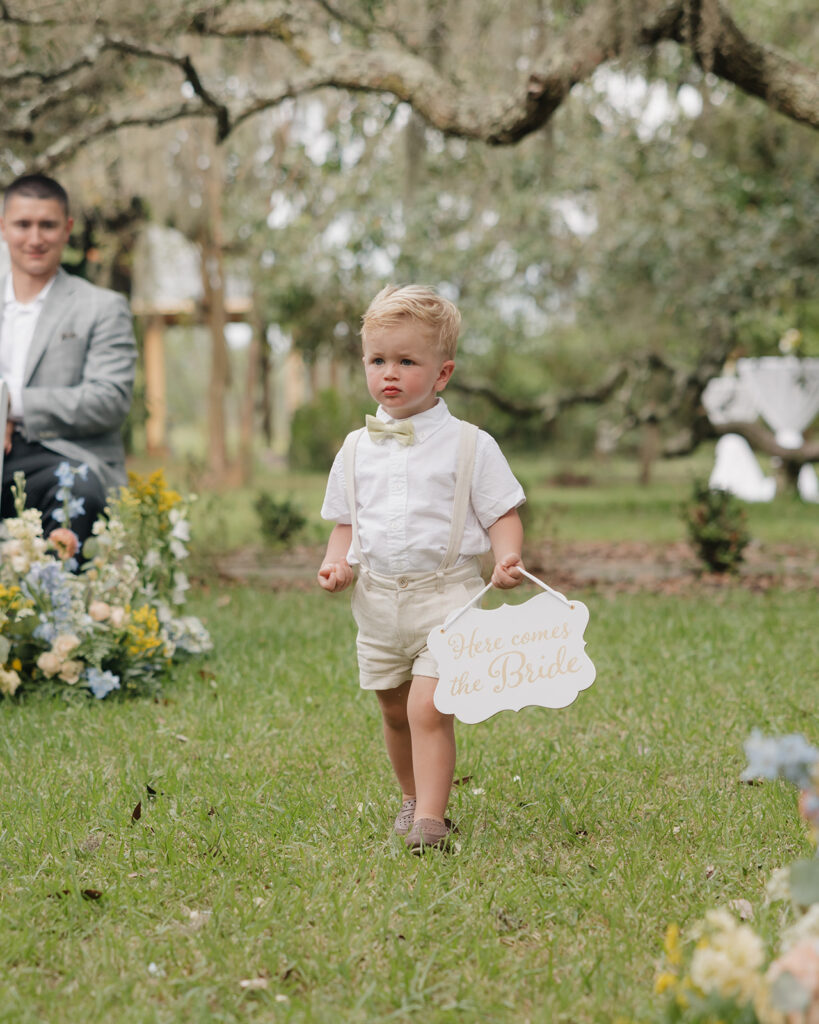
53	312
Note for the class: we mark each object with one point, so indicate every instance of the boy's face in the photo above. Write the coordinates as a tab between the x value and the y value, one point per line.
404	372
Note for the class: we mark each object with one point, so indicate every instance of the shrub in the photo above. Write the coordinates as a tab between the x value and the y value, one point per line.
717	526
280	521
318	429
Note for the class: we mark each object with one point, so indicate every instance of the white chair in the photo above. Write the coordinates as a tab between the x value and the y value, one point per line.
736	470
807	483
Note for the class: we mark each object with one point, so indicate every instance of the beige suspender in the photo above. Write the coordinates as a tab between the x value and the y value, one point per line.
467	443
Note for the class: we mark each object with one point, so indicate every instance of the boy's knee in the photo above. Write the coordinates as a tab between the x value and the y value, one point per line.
421	708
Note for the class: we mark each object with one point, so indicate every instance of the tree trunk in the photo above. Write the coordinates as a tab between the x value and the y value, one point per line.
155	389
213	281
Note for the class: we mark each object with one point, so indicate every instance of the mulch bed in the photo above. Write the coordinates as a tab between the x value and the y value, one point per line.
621	567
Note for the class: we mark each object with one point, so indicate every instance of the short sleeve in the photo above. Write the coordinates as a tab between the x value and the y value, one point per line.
495	489
335	506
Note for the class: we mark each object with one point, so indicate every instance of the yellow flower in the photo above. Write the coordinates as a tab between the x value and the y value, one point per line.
665	981
143	631
671	944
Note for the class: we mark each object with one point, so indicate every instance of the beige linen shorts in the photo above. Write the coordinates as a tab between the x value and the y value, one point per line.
395	614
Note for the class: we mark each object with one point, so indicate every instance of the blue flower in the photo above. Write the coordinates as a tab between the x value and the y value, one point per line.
788	757
101	683
50	587
76	507
65	474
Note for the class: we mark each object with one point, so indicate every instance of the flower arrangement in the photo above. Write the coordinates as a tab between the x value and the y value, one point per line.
113	623
729	975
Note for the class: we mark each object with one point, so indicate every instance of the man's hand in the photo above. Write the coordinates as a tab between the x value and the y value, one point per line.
335	576
7	440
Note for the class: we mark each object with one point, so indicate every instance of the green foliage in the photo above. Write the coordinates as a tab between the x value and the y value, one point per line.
280	521
717	526
319	427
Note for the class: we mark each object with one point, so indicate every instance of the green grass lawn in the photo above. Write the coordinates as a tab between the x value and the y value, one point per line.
261	883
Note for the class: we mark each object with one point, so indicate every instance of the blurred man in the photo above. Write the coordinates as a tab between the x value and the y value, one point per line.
67	355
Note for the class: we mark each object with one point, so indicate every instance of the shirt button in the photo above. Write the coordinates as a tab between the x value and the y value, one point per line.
403	582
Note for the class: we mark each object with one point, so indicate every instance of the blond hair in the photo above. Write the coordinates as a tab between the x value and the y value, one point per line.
395	304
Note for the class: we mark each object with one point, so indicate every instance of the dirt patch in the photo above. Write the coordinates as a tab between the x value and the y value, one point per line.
622	567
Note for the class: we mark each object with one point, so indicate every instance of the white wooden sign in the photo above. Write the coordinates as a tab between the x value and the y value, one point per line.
511	657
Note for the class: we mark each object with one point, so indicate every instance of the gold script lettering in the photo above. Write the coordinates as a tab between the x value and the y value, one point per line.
512	668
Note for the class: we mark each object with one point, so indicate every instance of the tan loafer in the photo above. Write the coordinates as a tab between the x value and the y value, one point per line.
427	832
403	823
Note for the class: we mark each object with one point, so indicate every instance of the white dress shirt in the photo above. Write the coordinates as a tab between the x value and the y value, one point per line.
19	324
404	494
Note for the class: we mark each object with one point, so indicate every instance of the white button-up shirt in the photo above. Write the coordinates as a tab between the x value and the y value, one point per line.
404	494
19	323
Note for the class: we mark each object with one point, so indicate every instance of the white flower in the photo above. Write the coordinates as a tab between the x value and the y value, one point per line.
181	527
779	885
9	681
806	929
728	958
178	549
180	585
152	559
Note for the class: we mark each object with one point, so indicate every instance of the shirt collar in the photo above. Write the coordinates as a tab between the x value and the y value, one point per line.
425	423
11	299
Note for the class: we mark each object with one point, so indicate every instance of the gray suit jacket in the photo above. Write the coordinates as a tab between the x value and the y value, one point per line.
80	375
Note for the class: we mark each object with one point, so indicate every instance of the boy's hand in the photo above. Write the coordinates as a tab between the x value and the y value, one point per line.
335	576
505	575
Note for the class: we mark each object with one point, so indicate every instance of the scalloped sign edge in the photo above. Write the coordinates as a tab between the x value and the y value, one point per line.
511	657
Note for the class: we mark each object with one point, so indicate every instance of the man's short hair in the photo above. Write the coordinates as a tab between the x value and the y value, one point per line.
395	304
37	186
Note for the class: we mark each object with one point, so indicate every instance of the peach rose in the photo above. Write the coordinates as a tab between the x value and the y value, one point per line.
65	644
70	671
65	541
118	616
802	963
99	611
49	663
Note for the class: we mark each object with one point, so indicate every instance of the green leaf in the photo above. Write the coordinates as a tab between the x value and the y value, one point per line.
804	882
788	994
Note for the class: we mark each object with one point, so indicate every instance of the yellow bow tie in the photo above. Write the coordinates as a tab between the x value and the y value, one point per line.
402	430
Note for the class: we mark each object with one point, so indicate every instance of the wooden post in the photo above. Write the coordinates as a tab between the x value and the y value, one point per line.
155	387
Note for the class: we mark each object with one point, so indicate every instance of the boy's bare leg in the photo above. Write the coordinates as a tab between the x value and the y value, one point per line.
397	735
433	750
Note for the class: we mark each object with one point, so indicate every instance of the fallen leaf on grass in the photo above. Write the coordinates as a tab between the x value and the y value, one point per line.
136	813
91	894
710	871
253	984
742	908
199	918
462	781
181	737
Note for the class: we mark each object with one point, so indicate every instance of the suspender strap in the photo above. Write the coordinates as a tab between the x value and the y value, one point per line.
350	444
463	488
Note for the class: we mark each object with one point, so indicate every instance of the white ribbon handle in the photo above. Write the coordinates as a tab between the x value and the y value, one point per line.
453	618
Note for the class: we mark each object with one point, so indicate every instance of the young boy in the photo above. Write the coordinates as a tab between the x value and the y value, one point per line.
416	497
